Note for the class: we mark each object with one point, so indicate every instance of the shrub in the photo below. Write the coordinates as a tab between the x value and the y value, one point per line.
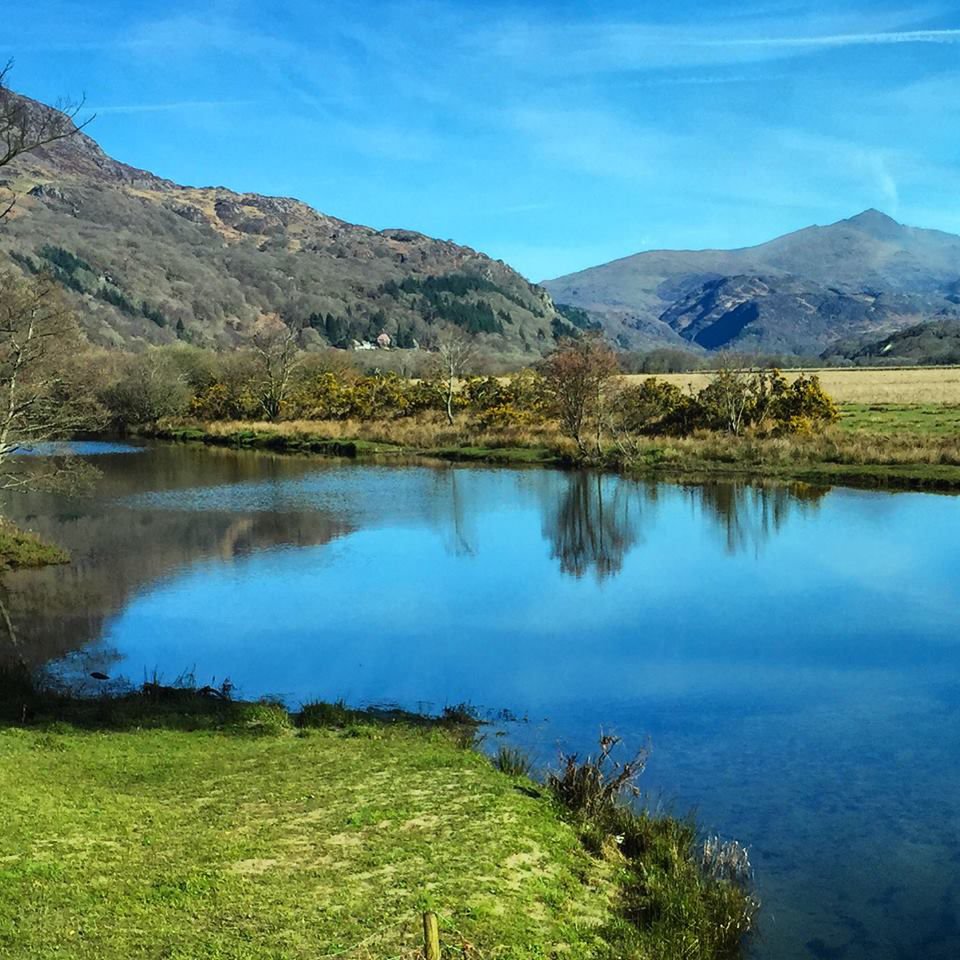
594	787
220	401
323	396
512	761
321	714
150	387
641	408
261	719
802	405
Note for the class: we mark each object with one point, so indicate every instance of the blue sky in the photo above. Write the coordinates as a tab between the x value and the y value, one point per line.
552	135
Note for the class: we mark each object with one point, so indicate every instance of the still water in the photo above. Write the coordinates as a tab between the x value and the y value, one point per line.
792	653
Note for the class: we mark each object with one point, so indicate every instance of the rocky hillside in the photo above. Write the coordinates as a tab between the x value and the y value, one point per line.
868	276
146	260
937	341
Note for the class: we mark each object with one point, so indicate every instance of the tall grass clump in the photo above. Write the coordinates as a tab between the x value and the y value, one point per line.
512	761
680	898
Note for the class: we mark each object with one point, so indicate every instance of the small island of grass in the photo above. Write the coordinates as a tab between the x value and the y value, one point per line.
20	548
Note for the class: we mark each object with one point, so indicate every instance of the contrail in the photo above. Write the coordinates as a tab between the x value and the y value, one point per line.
840	39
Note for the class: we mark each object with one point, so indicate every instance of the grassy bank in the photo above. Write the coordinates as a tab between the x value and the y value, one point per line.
20	548
875	445
425	437
168	823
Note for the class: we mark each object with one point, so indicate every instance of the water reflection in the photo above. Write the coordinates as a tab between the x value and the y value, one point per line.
118	550
747	515
593	524
154	515
792	653
597	520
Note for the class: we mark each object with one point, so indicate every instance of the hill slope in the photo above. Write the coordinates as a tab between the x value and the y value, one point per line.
795	294
934	342
146	260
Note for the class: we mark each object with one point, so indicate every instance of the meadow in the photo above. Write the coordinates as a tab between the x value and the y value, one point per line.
859	385
896	427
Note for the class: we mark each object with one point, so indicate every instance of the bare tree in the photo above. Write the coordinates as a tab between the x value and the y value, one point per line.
577	375
455	352
26	126
277	355
42	396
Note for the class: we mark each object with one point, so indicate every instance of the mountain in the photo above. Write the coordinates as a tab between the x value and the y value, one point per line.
146	260
867	275
936	341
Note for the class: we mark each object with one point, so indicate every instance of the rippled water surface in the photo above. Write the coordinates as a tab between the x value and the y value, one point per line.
791	652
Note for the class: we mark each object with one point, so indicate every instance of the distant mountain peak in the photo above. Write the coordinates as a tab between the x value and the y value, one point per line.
876	222
866	275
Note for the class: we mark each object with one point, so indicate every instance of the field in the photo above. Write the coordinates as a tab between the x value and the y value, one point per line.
162	843
179	823
912	385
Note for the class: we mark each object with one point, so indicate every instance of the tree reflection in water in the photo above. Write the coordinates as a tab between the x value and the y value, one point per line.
598	520
594	523
746	515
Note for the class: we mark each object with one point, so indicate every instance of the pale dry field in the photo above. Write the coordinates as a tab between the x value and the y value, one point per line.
926	385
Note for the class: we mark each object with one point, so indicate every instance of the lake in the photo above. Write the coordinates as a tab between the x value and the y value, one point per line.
790	652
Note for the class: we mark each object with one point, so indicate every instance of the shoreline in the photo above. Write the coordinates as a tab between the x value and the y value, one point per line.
286	829
660	460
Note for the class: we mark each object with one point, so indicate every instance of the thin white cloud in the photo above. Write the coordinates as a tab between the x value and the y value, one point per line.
178	107
840	40
603	46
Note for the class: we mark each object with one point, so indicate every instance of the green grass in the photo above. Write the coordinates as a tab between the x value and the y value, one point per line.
19	548
176	824
165	843
893	419
502	455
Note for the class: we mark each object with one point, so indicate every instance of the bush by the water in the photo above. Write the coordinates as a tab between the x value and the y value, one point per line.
681	897
575	395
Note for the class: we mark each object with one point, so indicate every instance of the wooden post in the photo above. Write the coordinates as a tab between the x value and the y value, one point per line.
431	936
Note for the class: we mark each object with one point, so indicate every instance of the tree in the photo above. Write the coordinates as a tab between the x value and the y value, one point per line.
26	126
149	387
276	356
43	396
577	375
455	352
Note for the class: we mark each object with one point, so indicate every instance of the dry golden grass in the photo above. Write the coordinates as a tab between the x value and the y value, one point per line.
423	432
930	385
833	445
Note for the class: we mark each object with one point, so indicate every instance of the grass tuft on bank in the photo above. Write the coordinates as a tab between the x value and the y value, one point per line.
20	548
165	822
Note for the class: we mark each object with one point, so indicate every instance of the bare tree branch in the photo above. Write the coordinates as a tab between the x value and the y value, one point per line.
26	126
277	355
41	400
455	352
